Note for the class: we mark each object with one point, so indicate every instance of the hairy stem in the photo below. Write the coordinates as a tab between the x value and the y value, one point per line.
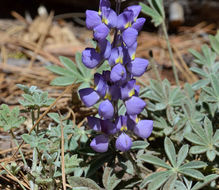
170	53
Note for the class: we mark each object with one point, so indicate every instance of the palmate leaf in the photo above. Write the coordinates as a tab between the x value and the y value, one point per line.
71	73
156	12
169	177
10	119
203	139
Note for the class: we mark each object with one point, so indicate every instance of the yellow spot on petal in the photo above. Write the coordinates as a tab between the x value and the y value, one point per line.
119	60
137	120
133	56
105	21
108	96
128	24
99	12
132	92
124	128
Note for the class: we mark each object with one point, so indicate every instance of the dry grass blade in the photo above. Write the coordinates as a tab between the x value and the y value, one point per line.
22	184
62	154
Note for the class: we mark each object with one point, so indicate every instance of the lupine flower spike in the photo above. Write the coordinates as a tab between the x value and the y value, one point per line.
119	83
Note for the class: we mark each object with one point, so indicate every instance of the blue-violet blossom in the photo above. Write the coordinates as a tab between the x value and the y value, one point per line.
119	83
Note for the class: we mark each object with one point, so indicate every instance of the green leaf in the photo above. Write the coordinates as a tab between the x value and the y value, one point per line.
197	55
110	181
154	160
97	163
198	149
199	131
63	81
214	43
156	17
194	138
208	129
199	72
83	182
60	70
169	185
139	145
207	180
151	177
194	165
200	84
183	152
215	85
170	151
211	154
159	180
192	173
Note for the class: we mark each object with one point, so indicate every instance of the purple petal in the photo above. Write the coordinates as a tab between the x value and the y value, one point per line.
94	123
100	83
136	9
114	91
116	56
108	127
139	24
105	48
144	128
88	96
129	36
121	123
100	32
118	73
109	17
100	143
104	3
134	105
128	90
92	19
90	58
137	67
125	20
123	142
106	109
131	51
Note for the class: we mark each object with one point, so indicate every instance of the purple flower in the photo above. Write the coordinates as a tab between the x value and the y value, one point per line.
101	32
118	73
104	47
129	36
134	105
128	89
123	142
116	56
139	24
94	123
143	128
136	9
125	20
90	58
89	96
101	85
118	83
137	67
100	143
108	127
92	19
106	109
109	17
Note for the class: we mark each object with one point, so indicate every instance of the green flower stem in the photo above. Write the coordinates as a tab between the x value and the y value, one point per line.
170	53
17	144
